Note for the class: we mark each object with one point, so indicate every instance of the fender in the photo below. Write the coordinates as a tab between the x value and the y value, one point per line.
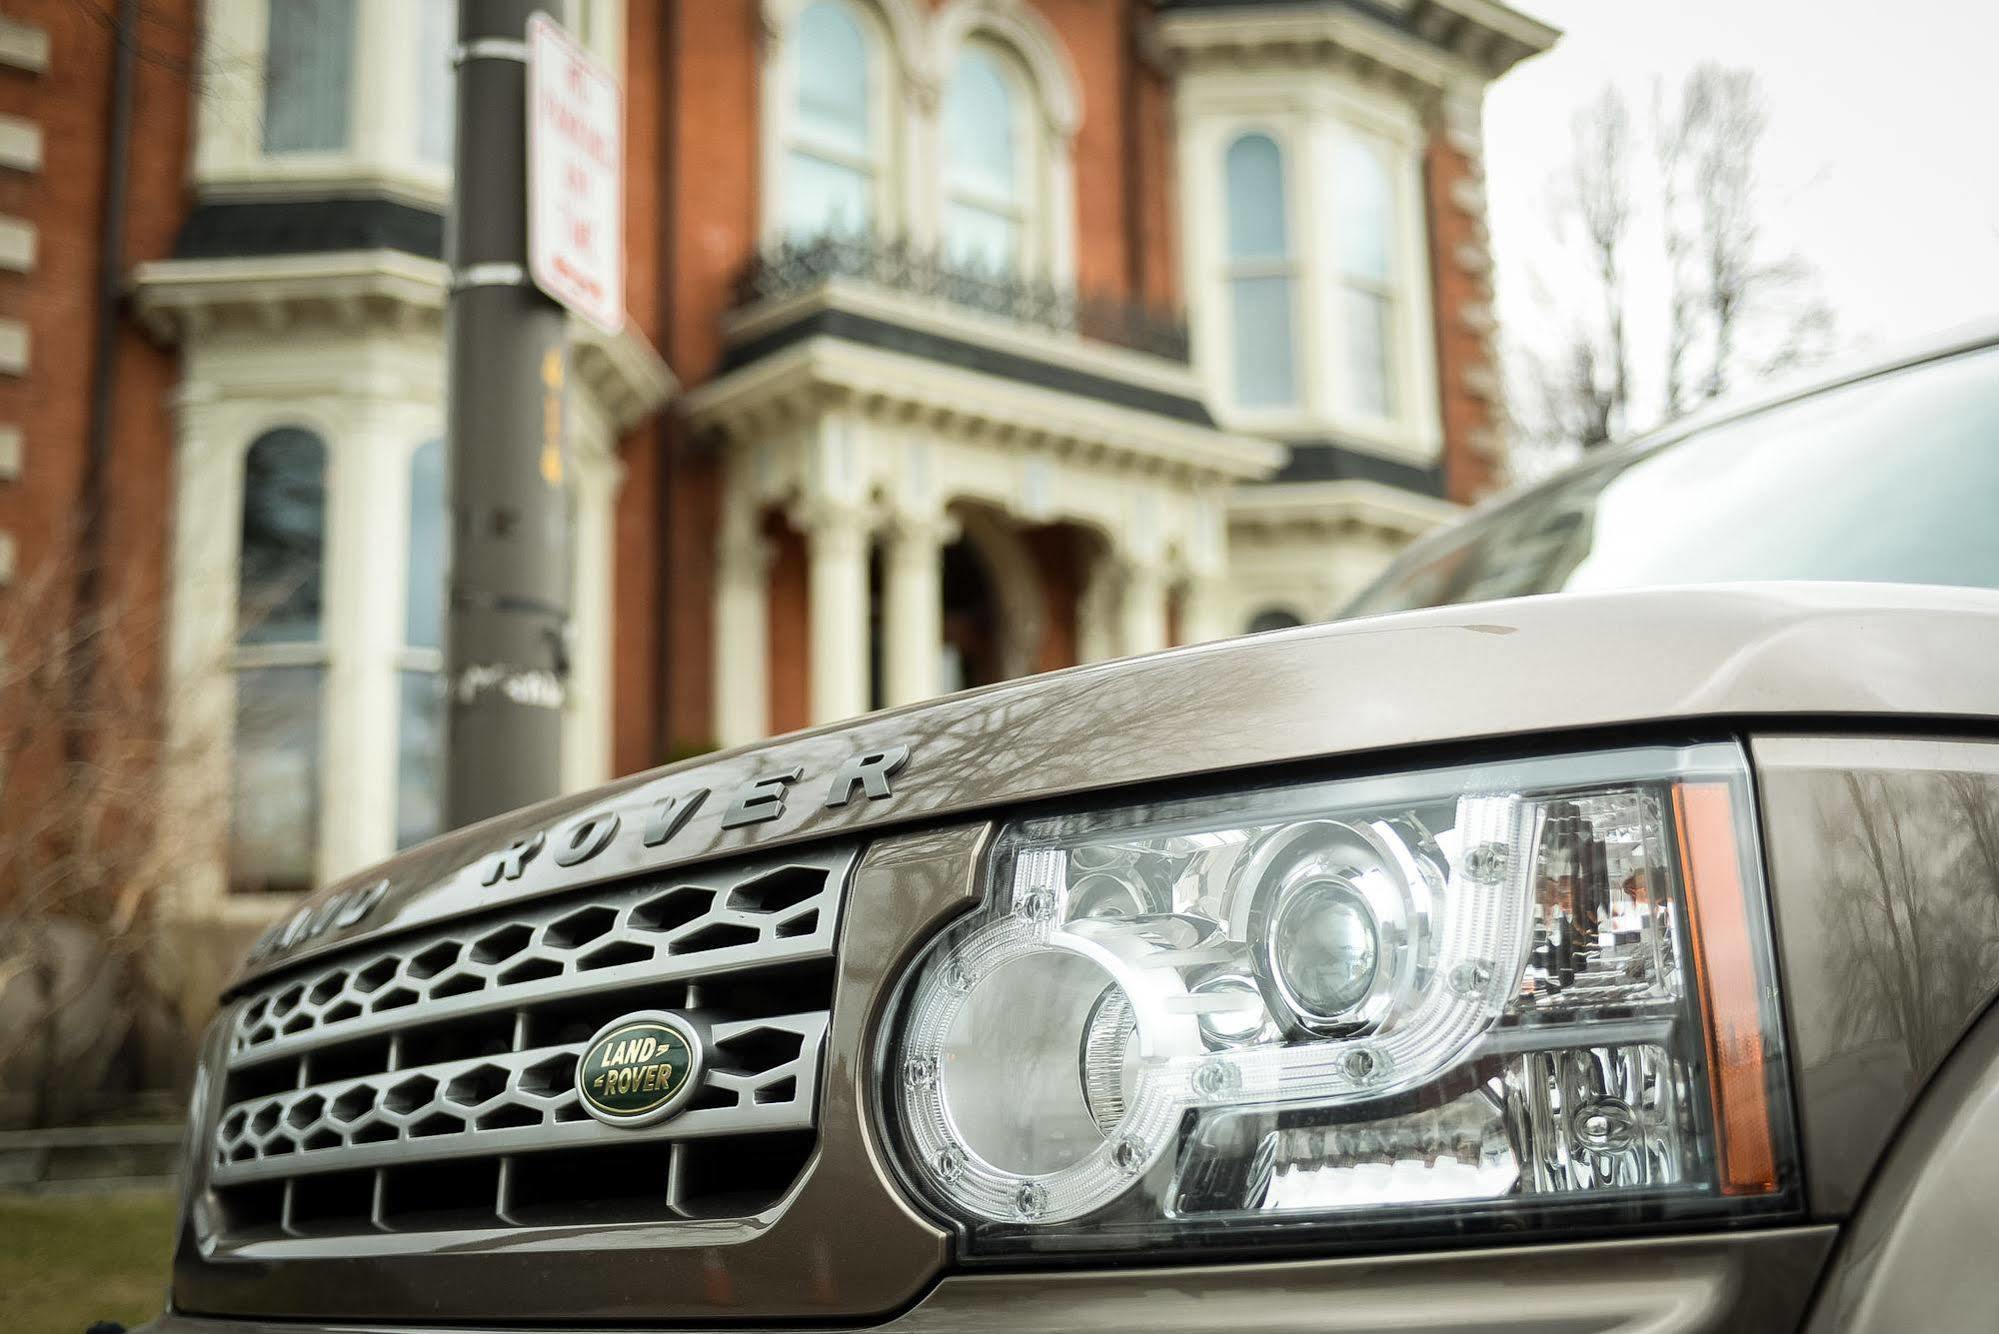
1917	1253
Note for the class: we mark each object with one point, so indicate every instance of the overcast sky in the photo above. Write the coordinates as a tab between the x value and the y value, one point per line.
1881	162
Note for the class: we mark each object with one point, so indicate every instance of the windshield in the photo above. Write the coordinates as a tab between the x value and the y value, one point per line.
1890	479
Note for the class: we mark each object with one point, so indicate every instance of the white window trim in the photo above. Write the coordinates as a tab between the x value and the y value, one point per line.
384	150
918	50
1293	266
1051	96
1308	113
886	27
1029	148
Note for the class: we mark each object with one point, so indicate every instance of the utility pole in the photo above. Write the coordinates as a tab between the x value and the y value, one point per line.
506	648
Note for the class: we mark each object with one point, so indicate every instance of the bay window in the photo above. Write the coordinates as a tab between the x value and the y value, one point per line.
280	664
1259	274
420	671
308	76
1364	239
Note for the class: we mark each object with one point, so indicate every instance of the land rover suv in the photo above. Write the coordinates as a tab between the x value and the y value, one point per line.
1614	959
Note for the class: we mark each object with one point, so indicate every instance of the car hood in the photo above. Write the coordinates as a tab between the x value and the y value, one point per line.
1561	663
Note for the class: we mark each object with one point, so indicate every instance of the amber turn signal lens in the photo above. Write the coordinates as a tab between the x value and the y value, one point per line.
1725	968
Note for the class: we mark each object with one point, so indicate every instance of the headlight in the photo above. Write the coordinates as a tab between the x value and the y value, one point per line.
1482	996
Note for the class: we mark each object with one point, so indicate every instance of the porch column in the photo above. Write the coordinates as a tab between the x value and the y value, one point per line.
1143	614
913	607
1203	607
836	539
742	635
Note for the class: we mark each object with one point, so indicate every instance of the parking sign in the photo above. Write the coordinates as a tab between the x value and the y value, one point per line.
576	228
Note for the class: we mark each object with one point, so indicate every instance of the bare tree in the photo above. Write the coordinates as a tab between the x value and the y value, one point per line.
1732	312
85	860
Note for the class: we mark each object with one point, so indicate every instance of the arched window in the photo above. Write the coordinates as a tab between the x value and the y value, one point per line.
280	664
308	75
1364	223
1272	618
984	213
1260	274
420	681
832	158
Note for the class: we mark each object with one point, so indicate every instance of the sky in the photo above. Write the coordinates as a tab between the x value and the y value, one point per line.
1880	165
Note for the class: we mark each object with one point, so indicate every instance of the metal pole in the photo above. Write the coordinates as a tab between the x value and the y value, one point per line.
506	656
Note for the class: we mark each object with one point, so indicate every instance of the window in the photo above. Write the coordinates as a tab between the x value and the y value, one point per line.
831	161
983	213
1364	231
436	82
280	663
420	677
308	75
1272	618
1259	274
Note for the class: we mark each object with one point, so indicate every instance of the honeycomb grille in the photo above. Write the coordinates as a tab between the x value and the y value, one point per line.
429	1082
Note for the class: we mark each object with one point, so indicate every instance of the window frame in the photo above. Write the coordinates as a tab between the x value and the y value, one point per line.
315	654
1308	115
1027	155
1289	266
785	135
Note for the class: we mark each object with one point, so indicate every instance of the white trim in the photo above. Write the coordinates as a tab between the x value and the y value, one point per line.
1310	113
755	398
382	153
891	31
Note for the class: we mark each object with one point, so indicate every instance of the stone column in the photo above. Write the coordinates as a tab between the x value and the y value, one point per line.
742	633
836	538
1203	609
1143	611
913	598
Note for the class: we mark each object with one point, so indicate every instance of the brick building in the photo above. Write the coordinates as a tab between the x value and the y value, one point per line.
1003	335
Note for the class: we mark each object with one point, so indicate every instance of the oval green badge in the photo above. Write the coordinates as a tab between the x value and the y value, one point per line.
639	1069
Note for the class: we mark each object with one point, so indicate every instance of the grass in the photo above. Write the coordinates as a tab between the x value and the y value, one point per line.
68	1260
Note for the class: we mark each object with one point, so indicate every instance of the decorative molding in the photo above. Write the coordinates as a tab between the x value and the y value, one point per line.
384	291
1333	509
20	143
1017	26
10	453
23	45
1438	44
625	373
14	347
803	381
18	247
181	299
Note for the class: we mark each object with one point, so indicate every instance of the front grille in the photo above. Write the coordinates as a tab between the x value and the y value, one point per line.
428	1082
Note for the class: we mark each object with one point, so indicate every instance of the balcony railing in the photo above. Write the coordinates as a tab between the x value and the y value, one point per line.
791	267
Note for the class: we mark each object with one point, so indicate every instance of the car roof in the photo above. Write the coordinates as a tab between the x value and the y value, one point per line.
1851	370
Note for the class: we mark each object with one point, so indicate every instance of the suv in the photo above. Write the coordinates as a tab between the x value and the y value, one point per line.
1618	959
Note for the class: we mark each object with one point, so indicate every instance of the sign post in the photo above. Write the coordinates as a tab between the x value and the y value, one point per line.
532	105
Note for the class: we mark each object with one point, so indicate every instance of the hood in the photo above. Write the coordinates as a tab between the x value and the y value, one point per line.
1459	673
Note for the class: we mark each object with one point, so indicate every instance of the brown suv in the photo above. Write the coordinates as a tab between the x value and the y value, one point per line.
1611	960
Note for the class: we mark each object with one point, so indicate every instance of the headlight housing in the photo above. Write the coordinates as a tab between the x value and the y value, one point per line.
1491	995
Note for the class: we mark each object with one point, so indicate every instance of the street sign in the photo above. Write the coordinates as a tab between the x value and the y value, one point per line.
576	177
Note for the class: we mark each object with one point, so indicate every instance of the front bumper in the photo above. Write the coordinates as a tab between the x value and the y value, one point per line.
1761	1281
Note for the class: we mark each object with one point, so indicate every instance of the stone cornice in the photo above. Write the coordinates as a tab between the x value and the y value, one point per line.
366	291
821	372
1334	509
1438	45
